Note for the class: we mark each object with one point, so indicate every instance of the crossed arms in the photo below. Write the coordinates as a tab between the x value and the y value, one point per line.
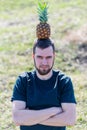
54	116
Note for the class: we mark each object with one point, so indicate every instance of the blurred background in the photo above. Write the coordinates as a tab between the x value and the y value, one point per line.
18	21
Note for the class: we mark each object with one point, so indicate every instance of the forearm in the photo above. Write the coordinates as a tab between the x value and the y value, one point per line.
32	117
61	119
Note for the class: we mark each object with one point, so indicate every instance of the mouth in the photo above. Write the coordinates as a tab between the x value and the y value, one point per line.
44	66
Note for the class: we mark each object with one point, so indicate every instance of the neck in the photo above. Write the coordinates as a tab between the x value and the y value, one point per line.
44	77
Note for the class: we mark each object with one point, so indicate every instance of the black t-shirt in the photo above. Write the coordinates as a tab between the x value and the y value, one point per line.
39	94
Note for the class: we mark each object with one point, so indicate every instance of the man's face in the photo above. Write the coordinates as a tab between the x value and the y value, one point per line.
44	60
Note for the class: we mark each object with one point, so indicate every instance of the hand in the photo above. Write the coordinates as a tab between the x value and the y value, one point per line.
59	110
56	110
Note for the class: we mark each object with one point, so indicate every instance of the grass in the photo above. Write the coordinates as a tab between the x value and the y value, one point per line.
18	20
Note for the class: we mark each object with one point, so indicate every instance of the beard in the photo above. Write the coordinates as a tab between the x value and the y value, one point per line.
43	71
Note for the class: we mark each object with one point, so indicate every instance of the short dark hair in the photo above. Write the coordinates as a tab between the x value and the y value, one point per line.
43	43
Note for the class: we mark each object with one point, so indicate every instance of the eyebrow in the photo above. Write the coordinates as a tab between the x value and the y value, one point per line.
42	56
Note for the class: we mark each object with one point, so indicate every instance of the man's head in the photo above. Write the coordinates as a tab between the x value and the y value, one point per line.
42	44
44	54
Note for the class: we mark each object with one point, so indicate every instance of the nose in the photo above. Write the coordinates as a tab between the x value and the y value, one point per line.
44	61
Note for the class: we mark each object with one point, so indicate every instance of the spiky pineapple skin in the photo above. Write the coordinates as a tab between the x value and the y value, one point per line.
43	31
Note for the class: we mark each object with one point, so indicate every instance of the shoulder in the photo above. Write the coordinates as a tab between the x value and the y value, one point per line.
26	75
61	74
22	80
22	77
23	74
62	77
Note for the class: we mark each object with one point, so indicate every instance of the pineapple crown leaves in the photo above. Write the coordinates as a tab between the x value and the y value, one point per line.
42	11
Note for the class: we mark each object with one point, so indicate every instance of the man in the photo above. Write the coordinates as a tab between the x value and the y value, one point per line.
44	98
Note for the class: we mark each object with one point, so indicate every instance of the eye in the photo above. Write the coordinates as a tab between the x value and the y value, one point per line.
48	57
39	57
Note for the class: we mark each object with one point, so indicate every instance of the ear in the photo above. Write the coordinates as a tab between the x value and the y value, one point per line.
54	54
33	56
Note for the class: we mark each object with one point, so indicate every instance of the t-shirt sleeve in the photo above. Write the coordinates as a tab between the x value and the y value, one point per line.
19	90
67	92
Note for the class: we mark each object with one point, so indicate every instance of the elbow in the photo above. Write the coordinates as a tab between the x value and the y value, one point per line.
15	119
72	118
72	122
16	122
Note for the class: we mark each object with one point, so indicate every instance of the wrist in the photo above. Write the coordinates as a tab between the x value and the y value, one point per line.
60	110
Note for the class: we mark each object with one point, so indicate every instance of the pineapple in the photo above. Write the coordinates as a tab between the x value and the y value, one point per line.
43	28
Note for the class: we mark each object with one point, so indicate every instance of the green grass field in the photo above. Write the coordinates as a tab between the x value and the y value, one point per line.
18	20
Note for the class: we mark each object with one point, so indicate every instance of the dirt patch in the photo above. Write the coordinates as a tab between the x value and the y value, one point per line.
79	39
77	36
82	54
